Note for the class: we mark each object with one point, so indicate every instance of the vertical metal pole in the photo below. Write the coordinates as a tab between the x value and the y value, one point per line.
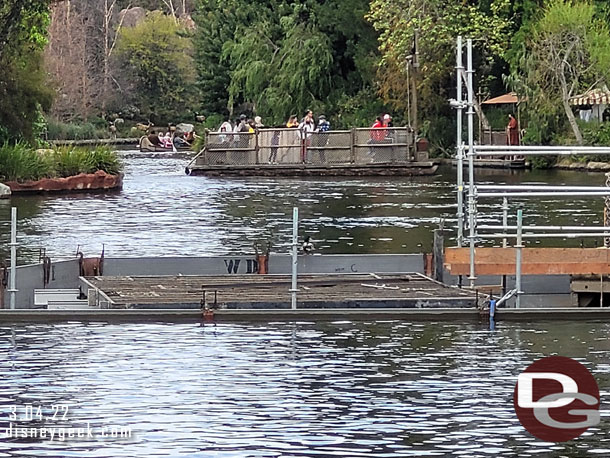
607	212
460	149
295	257
471	196
519	248
504	220
12	289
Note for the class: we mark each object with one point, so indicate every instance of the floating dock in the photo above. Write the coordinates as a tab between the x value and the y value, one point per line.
290	152
251	292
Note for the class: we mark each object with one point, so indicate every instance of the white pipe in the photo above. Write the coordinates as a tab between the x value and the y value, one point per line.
13	278
460	148
486	187
533	148
569	235
542	152
295	256
471	190
557	194
545	228
519	248
504	220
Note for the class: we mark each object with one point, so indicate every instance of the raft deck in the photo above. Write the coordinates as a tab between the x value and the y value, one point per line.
411	290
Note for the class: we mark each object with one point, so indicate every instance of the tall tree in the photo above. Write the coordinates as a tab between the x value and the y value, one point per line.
438	23
157	54
567	52
23	86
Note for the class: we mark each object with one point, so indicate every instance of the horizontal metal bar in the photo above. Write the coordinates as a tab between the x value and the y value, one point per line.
544	228
541	187
557	194
543	235
530	148
538	153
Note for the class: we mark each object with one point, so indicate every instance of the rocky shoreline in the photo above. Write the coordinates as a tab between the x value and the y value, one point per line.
84	182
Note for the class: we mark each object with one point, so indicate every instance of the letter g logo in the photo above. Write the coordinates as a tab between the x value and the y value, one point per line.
556	399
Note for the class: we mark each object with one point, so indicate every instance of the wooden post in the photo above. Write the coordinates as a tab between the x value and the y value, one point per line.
437	252
256	145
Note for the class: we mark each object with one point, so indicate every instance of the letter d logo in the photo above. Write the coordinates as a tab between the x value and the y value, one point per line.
556	399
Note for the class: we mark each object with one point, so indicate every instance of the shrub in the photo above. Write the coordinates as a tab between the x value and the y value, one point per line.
20	162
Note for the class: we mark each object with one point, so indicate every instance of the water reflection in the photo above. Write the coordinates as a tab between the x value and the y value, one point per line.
163	212
386	389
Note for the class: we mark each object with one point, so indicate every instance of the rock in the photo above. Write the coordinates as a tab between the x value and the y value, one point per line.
598	166
5	191
98	181
132	16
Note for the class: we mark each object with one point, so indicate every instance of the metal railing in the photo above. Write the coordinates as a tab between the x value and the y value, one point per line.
292	146
468	230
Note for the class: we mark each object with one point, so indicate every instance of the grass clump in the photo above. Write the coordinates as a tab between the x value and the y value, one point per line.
20	162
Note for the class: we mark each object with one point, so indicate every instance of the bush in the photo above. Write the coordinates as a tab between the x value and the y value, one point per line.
20	162
57	130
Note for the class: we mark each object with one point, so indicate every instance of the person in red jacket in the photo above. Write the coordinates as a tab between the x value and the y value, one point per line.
512	131
378	133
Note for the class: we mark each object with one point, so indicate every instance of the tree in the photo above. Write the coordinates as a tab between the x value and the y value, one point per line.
567	53
438	23
23	86
157	54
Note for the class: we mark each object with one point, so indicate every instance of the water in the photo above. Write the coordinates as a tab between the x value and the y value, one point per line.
163	212
375	389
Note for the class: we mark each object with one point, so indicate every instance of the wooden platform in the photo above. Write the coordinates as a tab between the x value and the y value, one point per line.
536	261
376	169
411	290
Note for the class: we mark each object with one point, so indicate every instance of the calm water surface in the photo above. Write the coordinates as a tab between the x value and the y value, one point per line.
385	389
161	211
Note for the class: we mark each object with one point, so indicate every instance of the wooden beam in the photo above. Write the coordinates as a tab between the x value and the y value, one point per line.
536	261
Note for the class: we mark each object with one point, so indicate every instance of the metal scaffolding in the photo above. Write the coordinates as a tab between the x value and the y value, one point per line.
505	231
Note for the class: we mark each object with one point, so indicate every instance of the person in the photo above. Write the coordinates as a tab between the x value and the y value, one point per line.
389	135
241	127
180	141
306	128
226	126
512	131
275	141
378	133
149	142
258	122
167	140
292	122
322	136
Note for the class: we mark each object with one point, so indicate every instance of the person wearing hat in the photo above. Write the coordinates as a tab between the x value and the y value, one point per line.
322	136
389	133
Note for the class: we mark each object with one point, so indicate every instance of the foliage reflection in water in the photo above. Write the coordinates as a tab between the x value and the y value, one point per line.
162	212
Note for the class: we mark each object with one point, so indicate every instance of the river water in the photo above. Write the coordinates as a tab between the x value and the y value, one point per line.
163	212
341	389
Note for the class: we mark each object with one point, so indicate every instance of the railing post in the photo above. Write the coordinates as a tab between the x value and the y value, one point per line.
519	254
13	278
352	148
256	145
295	257
471	189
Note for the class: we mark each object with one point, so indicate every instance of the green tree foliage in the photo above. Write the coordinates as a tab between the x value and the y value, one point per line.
277	58
157	53
566	52
438	23
23	87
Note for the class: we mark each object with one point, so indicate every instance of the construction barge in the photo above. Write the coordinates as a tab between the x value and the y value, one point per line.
290	152
408	290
